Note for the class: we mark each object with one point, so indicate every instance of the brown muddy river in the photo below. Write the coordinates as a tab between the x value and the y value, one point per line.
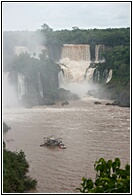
88	130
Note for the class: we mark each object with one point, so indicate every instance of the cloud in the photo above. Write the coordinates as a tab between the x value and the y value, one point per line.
65	15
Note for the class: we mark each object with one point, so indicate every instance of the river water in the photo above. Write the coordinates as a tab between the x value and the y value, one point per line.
89	131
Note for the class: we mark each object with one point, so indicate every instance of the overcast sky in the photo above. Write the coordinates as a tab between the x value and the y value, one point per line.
64	15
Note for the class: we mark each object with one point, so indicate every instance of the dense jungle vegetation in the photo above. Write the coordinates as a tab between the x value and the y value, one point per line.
15	169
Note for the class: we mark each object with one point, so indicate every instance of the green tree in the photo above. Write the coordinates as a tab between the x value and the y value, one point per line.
15	168
110	178
53	44
46	28
117	59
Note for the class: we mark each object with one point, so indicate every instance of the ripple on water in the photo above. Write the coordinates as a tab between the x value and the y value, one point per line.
89	131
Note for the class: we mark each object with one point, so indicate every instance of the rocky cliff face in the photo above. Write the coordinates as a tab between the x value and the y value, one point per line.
120	94
33	82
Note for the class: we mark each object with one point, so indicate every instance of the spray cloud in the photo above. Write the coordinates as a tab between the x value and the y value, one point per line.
10	98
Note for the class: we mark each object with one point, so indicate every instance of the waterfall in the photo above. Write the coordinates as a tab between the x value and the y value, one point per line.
102	76
40	85
109	75
20	49
89	74
75	76
13	92
96	76
76	70
21	86
76	52
98	51
10	98
33	51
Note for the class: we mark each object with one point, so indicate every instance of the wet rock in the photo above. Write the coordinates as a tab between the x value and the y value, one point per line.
5	127
119	93
30	100
48	102
64	94
97	102
122	100
108	103
124	105
116	102
65	103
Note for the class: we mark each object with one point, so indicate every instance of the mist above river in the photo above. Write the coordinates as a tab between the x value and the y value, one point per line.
10	97
75	76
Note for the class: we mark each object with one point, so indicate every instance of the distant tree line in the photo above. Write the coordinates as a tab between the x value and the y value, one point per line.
54	40
108	37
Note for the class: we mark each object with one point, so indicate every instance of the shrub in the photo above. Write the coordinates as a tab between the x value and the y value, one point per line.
110	178
15	168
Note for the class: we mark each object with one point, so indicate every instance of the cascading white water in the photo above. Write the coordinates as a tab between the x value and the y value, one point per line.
77	75
21	86
74	71
32	51
40	85
76	52
109	76
20	49
12	95
74	76
99	49
10	98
